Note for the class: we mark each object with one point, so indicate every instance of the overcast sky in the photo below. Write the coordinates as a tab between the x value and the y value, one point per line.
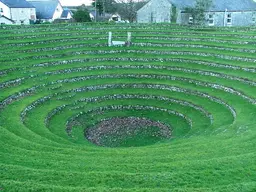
75	2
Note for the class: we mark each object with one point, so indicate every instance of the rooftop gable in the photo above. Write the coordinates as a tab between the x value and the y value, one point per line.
45	9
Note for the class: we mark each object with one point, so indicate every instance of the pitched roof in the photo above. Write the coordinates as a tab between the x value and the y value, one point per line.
92	13
45	9
220	5
65	13
234	5
17	3
181	4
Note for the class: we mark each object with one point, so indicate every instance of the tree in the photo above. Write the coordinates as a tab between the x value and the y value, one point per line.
173	14
82	15
128	8
105	6
198	12
99	6
109	6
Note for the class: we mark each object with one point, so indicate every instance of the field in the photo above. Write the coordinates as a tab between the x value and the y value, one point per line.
176	111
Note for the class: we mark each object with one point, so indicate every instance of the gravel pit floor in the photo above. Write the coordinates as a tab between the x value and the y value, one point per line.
127	132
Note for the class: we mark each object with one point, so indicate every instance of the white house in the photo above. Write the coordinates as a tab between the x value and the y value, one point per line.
47	10
18	11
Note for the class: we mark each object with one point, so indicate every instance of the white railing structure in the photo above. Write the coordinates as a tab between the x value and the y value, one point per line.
120	43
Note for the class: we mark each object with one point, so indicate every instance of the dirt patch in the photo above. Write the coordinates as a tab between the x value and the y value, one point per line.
129	131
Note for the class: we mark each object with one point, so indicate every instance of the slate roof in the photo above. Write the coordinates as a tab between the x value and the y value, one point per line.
220	5
45	9
92	13
17	3
234	5
181	4
65	13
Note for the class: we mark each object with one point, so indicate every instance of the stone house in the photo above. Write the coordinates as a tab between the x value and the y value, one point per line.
47	10
221	13
17	12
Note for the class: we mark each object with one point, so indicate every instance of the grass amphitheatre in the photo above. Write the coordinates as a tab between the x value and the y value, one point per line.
175	111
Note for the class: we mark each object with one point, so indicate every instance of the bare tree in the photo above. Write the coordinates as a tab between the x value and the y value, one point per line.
105	6
128	8
198	12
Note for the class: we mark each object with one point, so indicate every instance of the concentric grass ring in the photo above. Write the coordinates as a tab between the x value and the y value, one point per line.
61	84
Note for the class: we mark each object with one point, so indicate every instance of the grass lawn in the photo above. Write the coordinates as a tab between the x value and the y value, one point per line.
173	112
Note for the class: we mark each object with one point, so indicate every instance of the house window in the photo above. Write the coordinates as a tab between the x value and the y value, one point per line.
1	10
190	20
254	18
210	19
229	20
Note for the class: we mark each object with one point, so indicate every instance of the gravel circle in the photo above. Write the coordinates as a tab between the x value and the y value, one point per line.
110	132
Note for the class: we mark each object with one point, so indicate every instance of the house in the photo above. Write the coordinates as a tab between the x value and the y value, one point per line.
66	14
115	17
107	17
17	12
47	10
221	13
92	15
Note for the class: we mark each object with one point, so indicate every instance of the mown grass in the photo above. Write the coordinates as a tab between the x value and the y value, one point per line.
207	156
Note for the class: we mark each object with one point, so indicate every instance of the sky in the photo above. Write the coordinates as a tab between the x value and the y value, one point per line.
75	2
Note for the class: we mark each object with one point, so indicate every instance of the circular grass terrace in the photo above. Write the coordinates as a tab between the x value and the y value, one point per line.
176	111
